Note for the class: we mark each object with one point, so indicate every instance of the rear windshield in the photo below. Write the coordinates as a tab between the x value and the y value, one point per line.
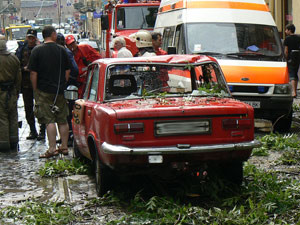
139	81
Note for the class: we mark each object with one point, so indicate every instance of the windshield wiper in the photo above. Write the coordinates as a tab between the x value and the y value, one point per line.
251	54
217	54
244	53
208	53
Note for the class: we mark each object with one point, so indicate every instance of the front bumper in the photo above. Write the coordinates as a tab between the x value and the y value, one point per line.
122	150
270	107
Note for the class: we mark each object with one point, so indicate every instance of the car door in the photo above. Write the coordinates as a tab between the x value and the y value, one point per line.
90	96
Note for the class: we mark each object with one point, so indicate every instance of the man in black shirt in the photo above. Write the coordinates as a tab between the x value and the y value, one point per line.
49	71
292	42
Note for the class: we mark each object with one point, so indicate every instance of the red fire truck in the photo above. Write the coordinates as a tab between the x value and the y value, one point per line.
126	18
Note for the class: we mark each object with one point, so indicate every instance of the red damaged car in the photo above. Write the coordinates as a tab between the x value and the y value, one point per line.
161	114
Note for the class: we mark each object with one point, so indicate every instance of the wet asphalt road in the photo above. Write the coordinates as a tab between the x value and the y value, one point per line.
20	181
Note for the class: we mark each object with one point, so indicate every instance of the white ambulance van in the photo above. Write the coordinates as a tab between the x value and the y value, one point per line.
243	37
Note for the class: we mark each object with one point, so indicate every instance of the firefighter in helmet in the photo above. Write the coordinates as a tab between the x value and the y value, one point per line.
143	41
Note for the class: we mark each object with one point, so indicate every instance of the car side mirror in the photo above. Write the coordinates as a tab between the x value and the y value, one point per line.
71	93
171	50
104	22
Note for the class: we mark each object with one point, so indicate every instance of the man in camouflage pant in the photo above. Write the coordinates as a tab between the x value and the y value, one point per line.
10	84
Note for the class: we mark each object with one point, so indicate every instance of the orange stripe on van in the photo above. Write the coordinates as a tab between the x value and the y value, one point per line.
177	5
216	5
259	75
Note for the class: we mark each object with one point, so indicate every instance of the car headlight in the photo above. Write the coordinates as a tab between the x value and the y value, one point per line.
283	89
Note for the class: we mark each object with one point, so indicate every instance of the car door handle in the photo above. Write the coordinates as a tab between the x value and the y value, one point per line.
89	112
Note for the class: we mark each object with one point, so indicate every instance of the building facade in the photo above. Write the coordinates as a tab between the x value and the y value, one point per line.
285	12
32	9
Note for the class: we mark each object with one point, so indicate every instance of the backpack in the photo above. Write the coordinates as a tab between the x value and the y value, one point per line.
19	50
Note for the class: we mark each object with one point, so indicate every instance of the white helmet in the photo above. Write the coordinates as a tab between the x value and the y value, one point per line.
143	39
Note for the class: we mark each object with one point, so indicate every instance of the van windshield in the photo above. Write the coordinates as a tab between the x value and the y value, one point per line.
239	40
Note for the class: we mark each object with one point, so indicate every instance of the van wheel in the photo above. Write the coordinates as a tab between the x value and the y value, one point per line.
102	174
284	124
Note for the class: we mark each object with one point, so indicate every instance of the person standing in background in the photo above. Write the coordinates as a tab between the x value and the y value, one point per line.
156	42
72	81
143	41
10	85
23	53
49	72
120	46
292	42
84	55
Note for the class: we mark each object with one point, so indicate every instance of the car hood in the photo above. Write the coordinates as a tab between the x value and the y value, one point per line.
175	107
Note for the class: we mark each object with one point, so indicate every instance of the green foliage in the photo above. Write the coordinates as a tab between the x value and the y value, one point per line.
276	142
32	212
189	67
264	199
261	151
53	168
56	213
106	199
290	157
296	107
210	89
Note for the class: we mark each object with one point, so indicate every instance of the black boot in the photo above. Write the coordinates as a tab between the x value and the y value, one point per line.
33	133
41	135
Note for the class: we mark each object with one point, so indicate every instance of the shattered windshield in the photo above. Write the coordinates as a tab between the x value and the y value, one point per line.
140	81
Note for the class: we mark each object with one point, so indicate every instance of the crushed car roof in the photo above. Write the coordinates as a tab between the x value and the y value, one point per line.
173	59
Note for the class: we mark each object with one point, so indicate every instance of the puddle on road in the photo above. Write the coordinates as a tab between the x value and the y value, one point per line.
20	181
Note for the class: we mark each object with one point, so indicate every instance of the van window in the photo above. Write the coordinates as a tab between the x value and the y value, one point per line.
234	39
179	40
168	37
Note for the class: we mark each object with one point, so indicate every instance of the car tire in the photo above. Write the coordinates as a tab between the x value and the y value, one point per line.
102	175
284	124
